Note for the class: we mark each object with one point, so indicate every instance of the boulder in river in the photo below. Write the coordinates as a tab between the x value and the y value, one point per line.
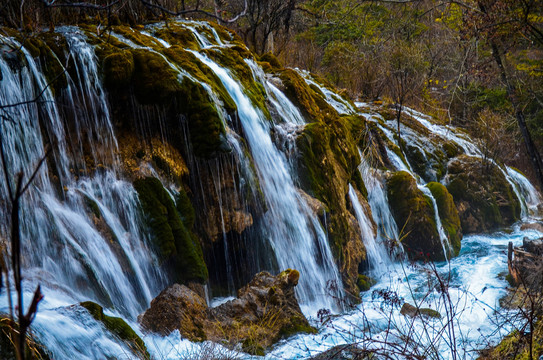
413	311
264	311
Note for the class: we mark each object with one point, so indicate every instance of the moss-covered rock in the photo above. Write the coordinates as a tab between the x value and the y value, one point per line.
265	311
118	68
516	346
414	213
271	59
310	102
233	58
413	311
484	198
448	215
48	50
177	246
155	81
365	282
118	327
329	160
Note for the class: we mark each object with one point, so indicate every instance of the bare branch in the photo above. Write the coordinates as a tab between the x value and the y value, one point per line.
51	4
196	11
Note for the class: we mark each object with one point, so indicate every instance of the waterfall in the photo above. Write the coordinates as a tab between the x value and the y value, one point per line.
82	226
402	165
387	229
294	232
376	252
527	193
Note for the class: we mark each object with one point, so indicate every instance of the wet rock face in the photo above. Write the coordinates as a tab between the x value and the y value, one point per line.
482	195
328	163
177	307
525	264
265	310
413	211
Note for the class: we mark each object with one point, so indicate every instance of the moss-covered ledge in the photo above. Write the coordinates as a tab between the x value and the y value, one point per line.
448	215
178	248
414	213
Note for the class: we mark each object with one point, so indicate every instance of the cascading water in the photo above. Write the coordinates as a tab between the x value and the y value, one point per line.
290	223
529	196
404	165
376	252
387	229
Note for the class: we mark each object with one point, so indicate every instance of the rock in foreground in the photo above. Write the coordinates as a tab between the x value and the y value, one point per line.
265	311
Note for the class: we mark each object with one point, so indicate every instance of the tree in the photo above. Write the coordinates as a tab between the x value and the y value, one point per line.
509	27
263	21
406	74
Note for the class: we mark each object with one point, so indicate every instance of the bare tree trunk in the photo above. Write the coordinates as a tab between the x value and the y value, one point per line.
535	157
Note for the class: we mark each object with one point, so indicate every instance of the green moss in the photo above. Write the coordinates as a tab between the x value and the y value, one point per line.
510	280
136	37
224	33
416	158
515	346
271	59
176	245
118	327
312	104
252	347
365	282
451	149
297	324
206	127
430	313
330	152
233	58
448	214
387	113
413	211
155	82
118	68
93	207
177	35
185	208
49	60
190	63
328	163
